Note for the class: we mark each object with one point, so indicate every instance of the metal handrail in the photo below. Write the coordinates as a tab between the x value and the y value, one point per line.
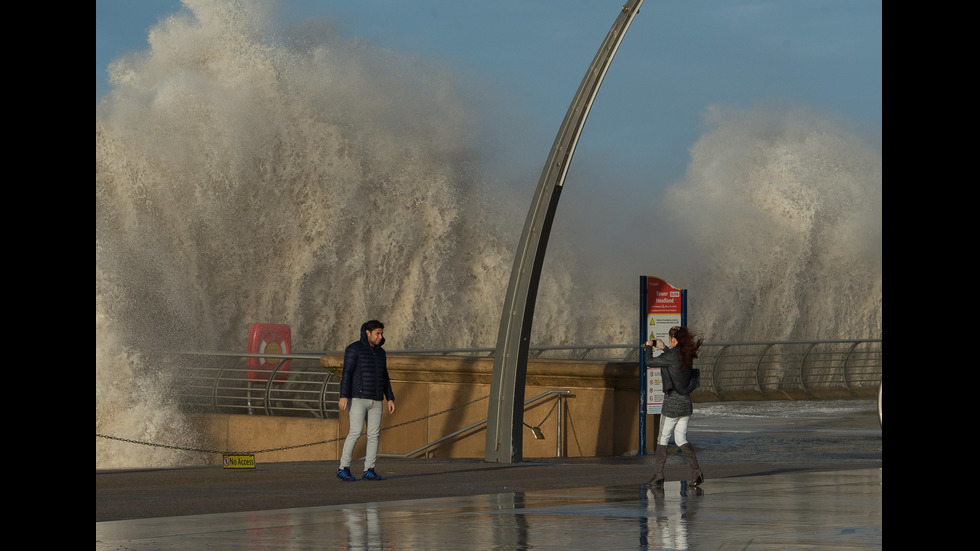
438	441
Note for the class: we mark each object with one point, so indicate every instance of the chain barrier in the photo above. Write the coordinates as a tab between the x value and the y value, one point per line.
165	446
552	410
282	448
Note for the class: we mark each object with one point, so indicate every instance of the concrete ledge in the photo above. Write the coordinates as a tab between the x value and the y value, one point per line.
438	395
601	413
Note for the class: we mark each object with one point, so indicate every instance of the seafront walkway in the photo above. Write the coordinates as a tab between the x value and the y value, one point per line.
772	483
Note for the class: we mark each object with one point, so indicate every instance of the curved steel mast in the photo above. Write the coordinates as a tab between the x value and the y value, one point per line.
505	416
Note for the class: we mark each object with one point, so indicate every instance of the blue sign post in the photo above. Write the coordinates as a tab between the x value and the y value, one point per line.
662	306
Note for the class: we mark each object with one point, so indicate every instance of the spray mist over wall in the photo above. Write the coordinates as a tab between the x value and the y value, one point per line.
246	172
777	227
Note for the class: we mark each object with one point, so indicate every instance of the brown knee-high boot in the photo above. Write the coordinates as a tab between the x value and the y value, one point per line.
697	477
659	458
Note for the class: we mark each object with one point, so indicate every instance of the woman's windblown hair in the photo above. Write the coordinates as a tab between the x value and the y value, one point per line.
687	345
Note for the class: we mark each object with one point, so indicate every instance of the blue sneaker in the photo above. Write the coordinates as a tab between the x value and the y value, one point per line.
344	474
371	475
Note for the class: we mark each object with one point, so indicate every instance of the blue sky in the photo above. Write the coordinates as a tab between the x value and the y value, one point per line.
678	59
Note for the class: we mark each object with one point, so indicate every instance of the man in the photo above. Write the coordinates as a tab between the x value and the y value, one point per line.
364	384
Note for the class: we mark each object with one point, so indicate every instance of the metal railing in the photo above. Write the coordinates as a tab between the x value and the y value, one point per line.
296	384
768	368
559	452
227	385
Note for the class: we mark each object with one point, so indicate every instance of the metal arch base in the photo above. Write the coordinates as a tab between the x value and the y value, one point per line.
505	415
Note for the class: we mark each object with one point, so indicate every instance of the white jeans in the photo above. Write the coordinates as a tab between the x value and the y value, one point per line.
360	409
675	425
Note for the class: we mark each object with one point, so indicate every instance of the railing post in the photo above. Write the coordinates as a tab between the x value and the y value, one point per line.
847	357
323	396
268	386
802	364
714	370
758	367
561	419
217	380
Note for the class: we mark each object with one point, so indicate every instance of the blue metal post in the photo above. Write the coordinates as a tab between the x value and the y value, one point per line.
643	367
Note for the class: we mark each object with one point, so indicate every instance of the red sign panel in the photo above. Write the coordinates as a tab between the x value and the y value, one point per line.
662	297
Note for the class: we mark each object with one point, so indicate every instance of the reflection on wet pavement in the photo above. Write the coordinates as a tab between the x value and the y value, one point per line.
811	510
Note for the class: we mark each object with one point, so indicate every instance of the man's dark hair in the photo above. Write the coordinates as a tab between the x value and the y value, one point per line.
372	325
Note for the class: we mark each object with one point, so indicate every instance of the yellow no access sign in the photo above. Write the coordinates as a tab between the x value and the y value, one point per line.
238	461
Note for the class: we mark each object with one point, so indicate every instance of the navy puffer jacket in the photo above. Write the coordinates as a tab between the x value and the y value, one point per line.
365	372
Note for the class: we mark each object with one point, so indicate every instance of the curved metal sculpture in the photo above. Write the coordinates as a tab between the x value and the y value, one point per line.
505	416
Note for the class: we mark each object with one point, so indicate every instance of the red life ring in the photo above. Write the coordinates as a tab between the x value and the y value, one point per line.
267	338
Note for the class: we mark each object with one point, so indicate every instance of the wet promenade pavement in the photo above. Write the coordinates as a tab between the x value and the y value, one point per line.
805	488
791	510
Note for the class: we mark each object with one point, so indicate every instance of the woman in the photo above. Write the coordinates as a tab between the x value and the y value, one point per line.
675	363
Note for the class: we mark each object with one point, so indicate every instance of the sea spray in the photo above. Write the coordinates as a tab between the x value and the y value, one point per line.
778	226
135	403
309	181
